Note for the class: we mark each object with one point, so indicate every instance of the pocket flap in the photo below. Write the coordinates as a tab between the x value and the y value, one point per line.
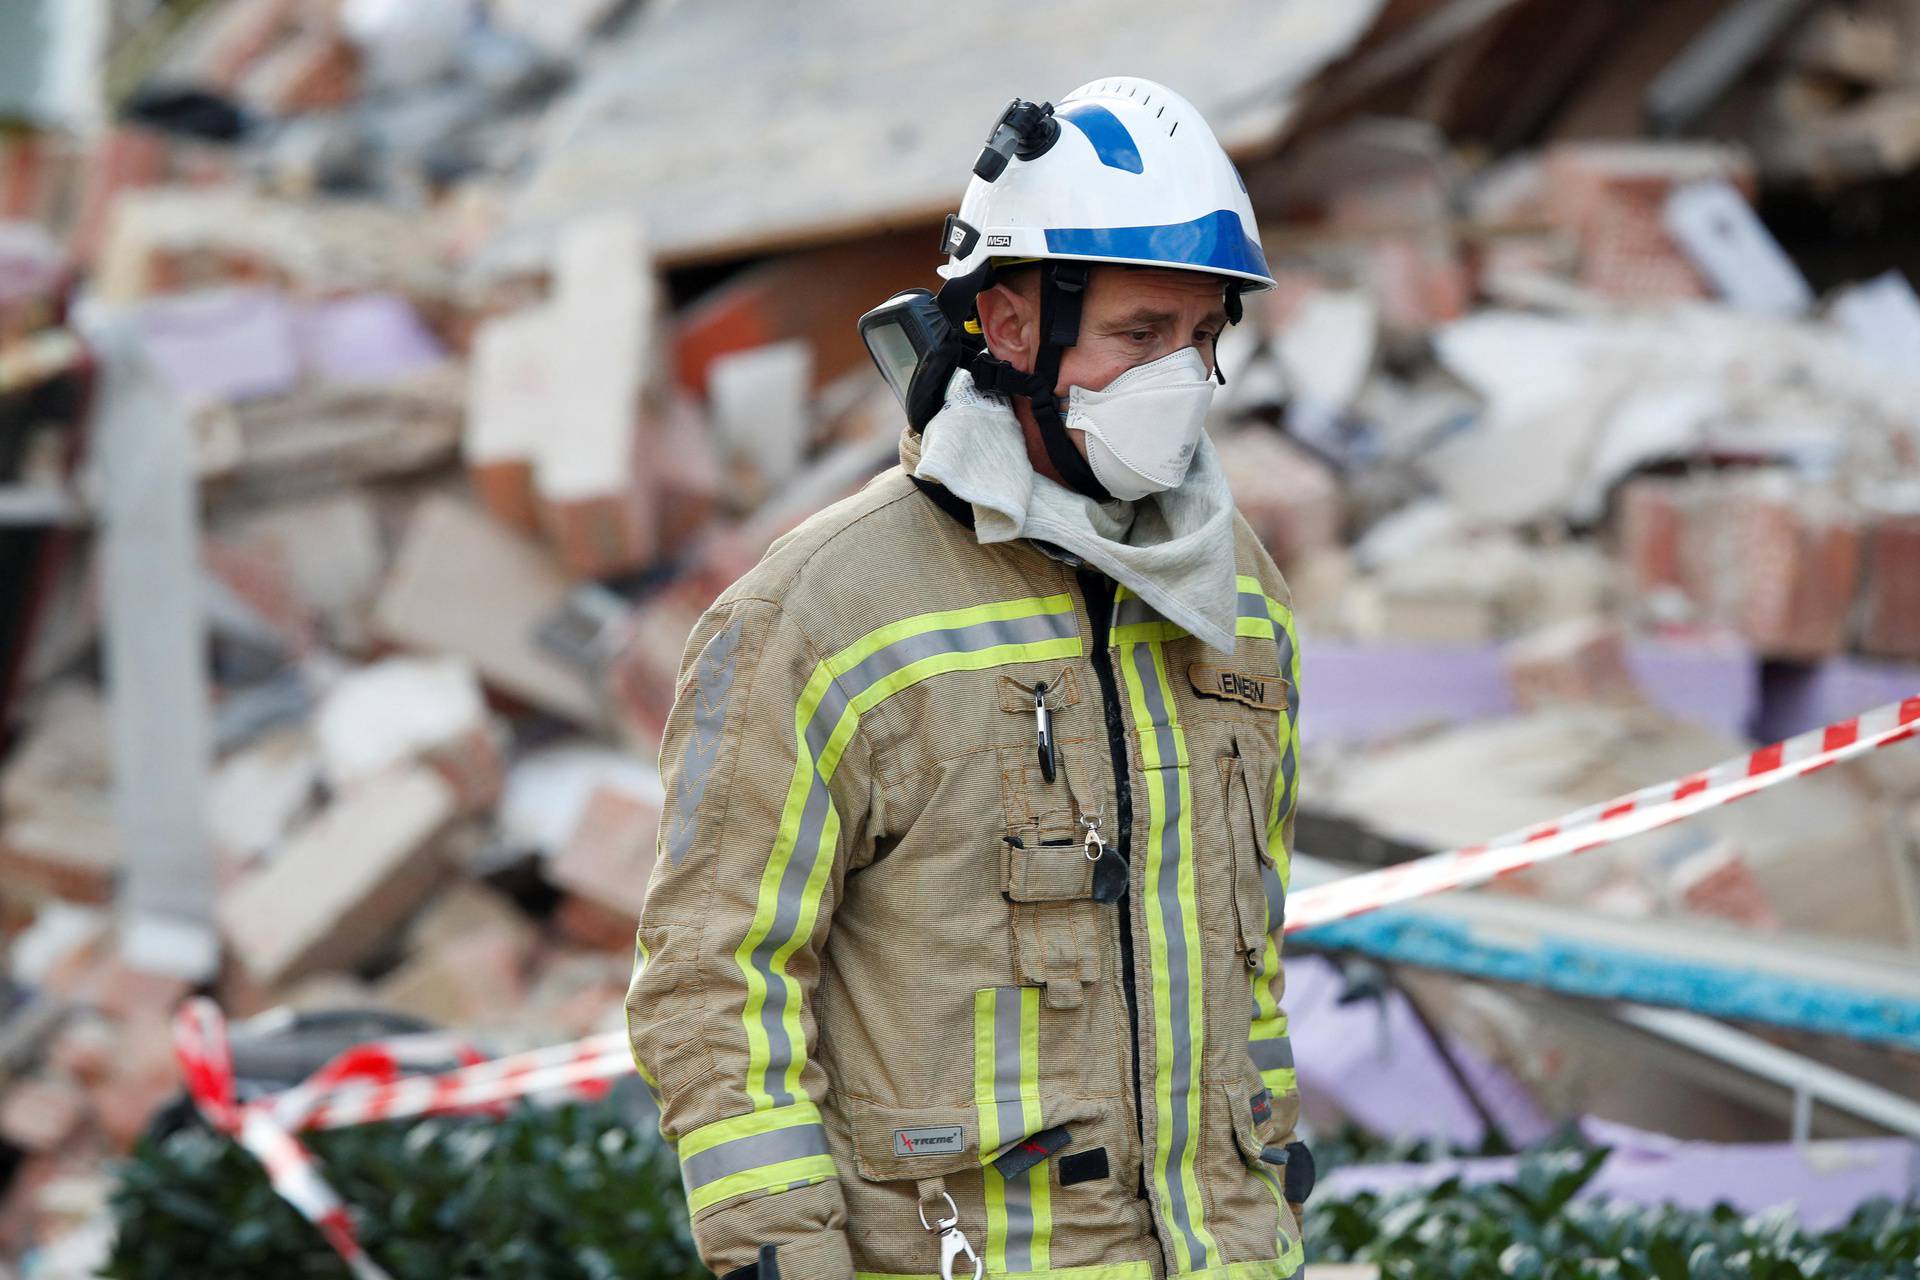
1052	871
1246	1132
913	1142
890	1143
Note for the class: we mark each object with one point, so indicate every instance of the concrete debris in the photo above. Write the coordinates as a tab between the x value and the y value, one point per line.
1589	457
58	833
259	792
463	584
401	710
1730	247
343	880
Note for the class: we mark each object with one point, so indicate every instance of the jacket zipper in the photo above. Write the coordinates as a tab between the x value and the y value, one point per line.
1098	593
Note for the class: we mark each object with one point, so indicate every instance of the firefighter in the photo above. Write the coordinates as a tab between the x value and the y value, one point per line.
962	950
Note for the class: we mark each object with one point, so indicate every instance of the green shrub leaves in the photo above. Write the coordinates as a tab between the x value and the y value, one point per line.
591	1193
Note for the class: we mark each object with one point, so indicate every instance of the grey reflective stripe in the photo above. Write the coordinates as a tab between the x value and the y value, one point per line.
1011	1121
1006	1064
1020	1222
713	681
1288	763
970	639
1276	895
834	705
1167	895
757	1151
1134	609
1254	605
1271	1055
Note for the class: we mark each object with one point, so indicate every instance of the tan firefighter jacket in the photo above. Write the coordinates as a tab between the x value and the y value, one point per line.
878	959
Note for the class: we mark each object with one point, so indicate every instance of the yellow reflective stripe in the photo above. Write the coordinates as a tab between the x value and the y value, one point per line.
816	886
1281	1080
1268	1021
1282	1213
775	1036
1286	780
978	660
985	1103
782	1175
1190	922
641	959
754	1123
1168	784
1006	1094
1272	1269
1148	632
1039	1178
1108	1271
767	904
944	620
1156	941
789	1175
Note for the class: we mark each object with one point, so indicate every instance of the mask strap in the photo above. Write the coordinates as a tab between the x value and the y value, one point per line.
1234	311
1063	287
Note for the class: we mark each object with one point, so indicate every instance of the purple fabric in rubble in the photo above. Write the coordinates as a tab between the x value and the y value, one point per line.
1823	1183
1799	700
369	338
222	345
1713	685
1362	693
1373	1060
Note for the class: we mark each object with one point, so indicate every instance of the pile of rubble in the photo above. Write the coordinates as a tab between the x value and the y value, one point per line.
442	647
1559	449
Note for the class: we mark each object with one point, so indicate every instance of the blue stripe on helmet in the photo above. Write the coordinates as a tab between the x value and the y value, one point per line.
1215	242
1110	139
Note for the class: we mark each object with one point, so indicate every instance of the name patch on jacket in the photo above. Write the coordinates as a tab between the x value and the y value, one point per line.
1256	690
936	1140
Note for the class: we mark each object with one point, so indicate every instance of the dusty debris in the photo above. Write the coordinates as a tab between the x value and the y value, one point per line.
1580	468
343	880
464	584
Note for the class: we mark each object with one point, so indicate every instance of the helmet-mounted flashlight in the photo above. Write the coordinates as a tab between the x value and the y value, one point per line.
1025	129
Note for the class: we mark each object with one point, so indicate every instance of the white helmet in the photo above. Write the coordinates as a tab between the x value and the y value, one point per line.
1123	171
1135	177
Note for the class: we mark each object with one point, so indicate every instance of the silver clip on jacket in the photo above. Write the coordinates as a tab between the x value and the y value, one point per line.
1095	846
953	1242
1045	719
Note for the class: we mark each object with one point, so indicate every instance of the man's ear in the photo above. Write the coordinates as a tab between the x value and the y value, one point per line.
1010	322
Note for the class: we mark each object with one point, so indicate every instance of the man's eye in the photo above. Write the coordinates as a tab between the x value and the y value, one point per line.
1141	335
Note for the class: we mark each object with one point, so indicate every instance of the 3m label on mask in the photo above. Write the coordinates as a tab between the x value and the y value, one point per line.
1268	692
937	1140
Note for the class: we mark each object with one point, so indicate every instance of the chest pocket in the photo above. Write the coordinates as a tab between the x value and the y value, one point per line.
1054	891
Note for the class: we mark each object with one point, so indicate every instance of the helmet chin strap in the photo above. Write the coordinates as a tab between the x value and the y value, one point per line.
1063	287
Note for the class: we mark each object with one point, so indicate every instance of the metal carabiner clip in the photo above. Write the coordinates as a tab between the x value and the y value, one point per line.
953	1241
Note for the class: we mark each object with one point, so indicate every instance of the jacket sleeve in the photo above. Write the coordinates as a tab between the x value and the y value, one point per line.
766	798
1268	1042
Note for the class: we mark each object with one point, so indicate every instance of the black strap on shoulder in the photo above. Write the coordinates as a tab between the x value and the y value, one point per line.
947	500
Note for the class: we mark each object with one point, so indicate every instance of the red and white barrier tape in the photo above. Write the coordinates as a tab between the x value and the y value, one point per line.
206	1060
581	1071
365	1084
1603	824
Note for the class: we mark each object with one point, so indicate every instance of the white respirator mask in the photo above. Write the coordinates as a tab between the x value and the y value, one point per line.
1143	427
